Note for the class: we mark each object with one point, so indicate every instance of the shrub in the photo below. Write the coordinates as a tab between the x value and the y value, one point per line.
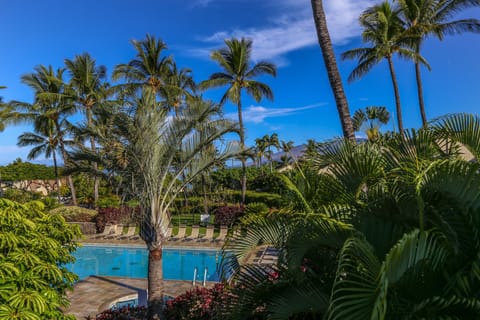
35	246
110	201
272	200
199	304
131	313
256	208
227	215
75	214
20	196
125	215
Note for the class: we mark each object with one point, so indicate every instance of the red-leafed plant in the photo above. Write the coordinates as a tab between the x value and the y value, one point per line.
227	215
199	304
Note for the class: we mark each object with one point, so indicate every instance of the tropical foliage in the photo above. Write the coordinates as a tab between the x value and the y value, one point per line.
393	236
34	247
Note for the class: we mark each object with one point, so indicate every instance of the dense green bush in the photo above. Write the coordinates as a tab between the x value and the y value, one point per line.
270	199
256	208
20	196
34	245
75	214
19	171
109	201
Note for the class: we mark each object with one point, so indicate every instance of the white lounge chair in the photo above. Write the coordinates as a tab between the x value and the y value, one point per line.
223	234
129	234
194	234
208	234
181	233
116	233
106	231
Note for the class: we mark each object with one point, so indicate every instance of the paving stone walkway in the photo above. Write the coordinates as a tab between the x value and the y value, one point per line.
95	294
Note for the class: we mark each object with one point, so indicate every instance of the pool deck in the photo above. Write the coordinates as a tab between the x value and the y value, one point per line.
96	293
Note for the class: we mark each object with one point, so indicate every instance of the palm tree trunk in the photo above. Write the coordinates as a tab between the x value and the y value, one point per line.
69	177
242	148
332	69
155	282
96	181
397	95
55	168
205	198
421	102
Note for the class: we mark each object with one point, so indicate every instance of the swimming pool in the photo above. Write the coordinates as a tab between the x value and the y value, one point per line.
132	262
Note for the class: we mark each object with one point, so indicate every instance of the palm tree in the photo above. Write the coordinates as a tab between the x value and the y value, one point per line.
179	85
260	148
89	87
434	17
370	121
332	69
44	141
149	68
52	105
383	29
161	172
238	73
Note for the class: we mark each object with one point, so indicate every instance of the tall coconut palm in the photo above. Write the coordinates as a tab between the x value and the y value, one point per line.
260	148
434	17
44	141
88	83
370	120
52	105
179	85
238	73
332	69
383	30
149	68
162	172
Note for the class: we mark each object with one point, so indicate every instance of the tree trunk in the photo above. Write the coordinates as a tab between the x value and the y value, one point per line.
96	181
55	167
397	95
242	148
155	283
69	177
332	69
421	102
205	198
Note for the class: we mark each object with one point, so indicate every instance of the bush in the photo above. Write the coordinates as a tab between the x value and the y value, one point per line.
272	200
130	313
75	214
124	215
227	215
199	304
110	201
20	196
256	208
35	246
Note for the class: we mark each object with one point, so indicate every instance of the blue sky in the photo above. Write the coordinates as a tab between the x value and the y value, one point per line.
46	32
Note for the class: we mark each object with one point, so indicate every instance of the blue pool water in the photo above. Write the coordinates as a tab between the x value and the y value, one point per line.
128	262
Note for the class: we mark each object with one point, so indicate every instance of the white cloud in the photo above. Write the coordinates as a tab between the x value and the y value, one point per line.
257	114
294	28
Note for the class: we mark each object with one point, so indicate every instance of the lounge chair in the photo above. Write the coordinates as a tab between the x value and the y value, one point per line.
106	231
168	234
117	233
223	234
129	234
194	234
208	234
181	232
